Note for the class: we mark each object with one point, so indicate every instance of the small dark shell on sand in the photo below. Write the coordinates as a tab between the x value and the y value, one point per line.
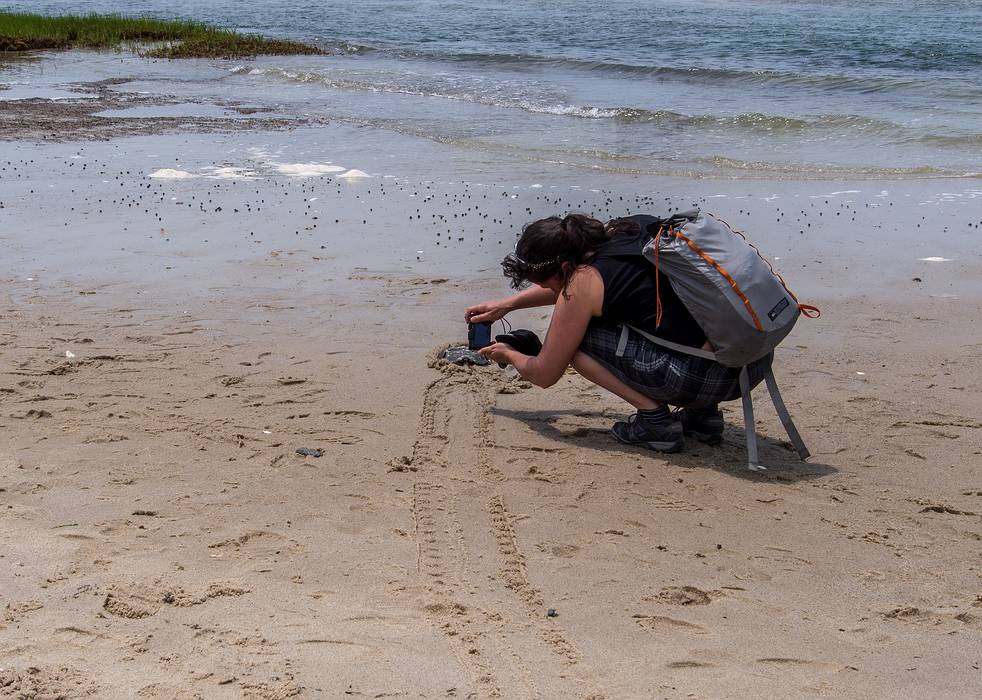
309	452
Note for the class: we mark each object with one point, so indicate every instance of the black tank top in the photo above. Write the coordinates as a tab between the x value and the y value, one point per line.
629	293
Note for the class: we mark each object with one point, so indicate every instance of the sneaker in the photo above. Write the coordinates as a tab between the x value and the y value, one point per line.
661	435
704	424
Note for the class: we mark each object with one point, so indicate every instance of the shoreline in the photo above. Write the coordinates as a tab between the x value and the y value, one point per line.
235	204
328	89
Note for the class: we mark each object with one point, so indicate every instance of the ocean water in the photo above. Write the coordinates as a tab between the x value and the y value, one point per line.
718	88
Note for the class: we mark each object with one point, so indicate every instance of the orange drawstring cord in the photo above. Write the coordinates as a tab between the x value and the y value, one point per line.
658	276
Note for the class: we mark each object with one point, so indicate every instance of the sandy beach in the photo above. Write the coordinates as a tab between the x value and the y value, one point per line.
184	304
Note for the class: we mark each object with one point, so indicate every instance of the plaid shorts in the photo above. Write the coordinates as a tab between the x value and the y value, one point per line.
665	375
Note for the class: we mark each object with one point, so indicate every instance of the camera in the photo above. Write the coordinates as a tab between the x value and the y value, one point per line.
478	335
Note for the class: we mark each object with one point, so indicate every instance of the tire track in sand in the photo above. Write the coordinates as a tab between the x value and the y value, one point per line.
470	563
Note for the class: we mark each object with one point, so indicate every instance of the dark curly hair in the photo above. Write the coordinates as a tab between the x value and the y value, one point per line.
548	243
626	225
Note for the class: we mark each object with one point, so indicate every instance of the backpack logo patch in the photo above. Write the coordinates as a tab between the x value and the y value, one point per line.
778	308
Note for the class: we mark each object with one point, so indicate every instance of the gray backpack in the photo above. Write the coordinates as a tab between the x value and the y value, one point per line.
735	296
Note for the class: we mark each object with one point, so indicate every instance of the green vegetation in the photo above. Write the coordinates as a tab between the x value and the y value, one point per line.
167	38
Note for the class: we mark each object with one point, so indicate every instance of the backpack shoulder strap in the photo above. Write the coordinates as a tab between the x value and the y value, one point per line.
646	221
630	245
677	347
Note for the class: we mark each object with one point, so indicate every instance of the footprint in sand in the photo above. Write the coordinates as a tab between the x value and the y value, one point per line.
561	550
788	662
688	664
661	623
144	600
682	595
256	543
288	381
14	612
910	614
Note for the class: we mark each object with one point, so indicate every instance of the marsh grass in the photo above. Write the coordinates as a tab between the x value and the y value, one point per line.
171	38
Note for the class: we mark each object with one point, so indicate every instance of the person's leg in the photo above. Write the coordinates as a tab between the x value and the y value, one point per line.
704	424
652	426
604	378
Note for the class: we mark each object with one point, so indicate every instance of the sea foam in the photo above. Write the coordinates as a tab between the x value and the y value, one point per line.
230	173
306	169
171	174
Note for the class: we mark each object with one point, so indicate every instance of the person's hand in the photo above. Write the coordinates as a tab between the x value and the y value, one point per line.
487	311
502	353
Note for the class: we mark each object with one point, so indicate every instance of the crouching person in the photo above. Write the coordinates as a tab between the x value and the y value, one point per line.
600	284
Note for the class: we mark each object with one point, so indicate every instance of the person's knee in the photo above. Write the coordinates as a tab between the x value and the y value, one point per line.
579	359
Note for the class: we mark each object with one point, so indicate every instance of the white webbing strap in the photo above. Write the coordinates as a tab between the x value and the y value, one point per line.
782	412
622	341
749	426
698	352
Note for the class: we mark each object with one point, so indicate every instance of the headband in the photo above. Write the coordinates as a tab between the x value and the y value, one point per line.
536	266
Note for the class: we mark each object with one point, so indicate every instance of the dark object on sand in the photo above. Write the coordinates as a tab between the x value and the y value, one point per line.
309	452
525	341
552	613
459	355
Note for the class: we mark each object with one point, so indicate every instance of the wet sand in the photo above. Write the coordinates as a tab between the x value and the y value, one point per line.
167	345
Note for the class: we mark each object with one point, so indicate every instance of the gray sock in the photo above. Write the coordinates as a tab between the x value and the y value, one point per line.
654	415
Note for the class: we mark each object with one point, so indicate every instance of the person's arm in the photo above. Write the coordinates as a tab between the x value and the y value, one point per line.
569	324
489	311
